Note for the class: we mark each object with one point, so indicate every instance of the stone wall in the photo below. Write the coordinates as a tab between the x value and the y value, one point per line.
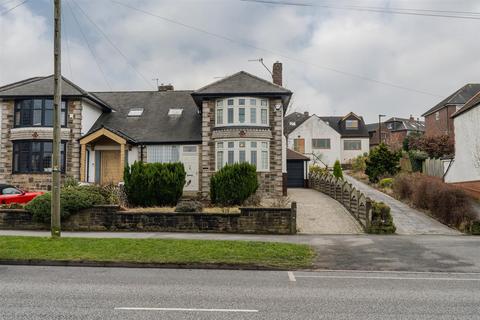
109	218
38	181
271	183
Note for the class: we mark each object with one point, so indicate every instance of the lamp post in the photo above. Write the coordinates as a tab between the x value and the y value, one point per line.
380	116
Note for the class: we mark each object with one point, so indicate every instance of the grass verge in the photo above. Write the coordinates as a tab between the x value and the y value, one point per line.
158	251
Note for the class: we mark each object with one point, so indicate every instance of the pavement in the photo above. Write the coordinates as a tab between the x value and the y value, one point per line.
407	220
421	253
317	213
35	293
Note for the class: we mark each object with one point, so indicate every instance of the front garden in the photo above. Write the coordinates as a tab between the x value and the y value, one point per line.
398	174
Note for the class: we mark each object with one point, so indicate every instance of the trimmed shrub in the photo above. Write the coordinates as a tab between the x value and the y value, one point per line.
72	199
337	170
382	162
386	183
233	184
382	220
154	184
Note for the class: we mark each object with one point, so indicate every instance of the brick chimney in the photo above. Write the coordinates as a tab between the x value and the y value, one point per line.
412	118
306	113
165	87
277	73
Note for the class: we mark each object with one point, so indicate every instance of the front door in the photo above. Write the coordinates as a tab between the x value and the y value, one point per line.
190	161
299	145
110	167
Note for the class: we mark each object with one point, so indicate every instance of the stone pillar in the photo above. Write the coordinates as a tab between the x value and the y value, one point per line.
207	155
83	152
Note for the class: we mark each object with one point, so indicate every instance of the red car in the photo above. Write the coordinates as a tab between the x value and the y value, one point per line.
10	194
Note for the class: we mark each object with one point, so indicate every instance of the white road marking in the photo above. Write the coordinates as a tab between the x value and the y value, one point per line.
394	272
390	278
186	309
291	276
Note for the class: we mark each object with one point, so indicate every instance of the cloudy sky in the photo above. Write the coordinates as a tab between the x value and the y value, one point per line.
328	53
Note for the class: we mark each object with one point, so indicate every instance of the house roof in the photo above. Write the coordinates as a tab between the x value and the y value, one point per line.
293	120
407	124
44	86
338	125
472	103
242	83
372	127
293	155
154	125
461	96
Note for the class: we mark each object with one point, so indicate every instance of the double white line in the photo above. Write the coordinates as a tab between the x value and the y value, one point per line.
187	309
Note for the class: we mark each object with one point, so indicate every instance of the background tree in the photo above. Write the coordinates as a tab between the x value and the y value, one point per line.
382	162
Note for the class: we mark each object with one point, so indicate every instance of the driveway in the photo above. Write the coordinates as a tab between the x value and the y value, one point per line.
406	219
317	213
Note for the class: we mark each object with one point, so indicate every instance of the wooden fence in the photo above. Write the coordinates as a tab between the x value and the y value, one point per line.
352	199
435	167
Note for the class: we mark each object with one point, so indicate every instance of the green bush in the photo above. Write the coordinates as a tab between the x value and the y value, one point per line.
337	170
233	184
315	169
72	199
382	220
475	228
358	164
416	159
382	162
154	184
386	183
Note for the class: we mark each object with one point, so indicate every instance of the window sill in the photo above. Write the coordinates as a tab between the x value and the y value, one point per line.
247	126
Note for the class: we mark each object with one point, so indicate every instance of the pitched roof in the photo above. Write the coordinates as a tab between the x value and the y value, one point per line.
293	120
472	103
154	125
242	83
461	96
44	86
293	155
407	124
338	125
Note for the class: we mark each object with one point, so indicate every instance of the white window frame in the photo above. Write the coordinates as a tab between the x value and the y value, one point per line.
351	126
247	146
252	108
350	141
327	140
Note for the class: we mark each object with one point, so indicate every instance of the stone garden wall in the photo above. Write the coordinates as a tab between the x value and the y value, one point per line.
110	218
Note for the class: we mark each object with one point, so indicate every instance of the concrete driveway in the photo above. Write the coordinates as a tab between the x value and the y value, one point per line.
317	213
407	220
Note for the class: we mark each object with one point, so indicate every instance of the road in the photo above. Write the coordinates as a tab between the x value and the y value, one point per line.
115	293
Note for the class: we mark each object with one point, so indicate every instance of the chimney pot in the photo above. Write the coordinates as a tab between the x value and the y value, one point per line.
165	87
412	118
277	76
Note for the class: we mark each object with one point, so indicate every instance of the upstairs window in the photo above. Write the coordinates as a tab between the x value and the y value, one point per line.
37	113
351	124
437	115
352	145
320	143
242	111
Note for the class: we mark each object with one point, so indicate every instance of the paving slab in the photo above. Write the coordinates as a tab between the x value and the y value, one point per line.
317	213
407	220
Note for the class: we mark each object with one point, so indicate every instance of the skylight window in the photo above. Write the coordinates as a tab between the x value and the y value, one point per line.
135	112
175	112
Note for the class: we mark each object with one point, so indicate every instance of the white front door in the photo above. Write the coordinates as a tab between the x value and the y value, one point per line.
190	161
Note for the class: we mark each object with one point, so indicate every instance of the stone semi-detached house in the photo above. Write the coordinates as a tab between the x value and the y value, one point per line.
236	119
438	119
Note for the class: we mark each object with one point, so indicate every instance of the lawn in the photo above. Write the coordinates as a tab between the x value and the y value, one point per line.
158	251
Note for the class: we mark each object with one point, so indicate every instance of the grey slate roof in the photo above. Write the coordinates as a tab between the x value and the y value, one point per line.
461	96
43	86
154	125
338	125
372	127
472	103
242	83
335	122
292	121
407	124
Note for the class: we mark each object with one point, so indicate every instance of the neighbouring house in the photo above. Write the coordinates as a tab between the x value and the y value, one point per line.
236	119
394	131
438	119
464	169
327	139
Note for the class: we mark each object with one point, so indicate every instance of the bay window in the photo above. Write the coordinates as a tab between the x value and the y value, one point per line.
37	113
239	151
35	156
242	111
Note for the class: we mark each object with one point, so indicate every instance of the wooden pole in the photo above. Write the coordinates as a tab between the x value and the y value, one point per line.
57	101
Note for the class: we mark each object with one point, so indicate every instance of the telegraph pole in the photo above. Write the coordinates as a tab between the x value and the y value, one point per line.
57	101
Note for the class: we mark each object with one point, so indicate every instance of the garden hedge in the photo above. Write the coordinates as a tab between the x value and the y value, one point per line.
382	220
233	184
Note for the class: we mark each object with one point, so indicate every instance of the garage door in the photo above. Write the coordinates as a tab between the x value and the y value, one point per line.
295	173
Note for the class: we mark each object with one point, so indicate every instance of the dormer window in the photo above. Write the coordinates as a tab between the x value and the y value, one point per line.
135	112
175	112
351	124
241	111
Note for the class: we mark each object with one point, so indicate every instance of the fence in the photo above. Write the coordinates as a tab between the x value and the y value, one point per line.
435	167
353	200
